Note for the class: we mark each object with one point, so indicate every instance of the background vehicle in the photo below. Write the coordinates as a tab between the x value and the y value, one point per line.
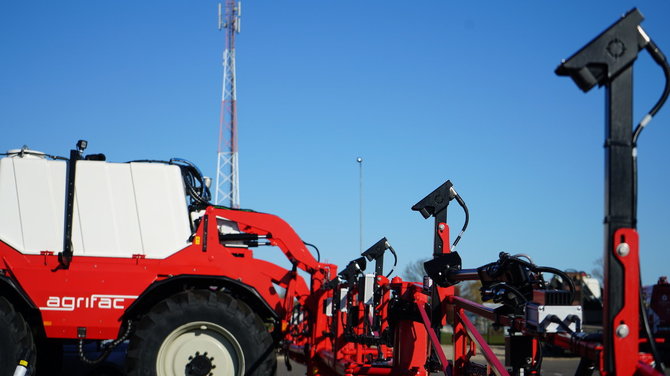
588	294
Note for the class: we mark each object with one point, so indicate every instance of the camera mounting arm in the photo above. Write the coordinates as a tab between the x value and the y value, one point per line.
376	253
611	53
435	205
608	61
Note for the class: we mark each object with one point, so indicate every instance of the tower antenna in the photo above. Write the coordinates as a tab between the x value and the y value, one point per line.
227	173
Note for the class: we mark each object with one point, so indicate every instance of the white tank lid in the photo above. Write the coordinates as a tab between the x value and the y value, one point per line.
25	152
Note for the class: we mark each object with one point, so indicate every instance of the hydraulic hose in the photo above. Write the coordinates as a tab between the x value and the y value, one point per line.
571	283
194	182
461	202
395	260
658	361
318	254
662	61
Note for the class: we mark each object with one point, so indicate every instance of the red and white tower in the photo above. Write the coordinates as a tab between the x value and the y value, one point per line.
227	174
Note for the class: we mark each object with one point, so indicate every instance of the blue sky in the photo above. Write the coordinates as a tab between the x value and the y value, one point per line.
423	91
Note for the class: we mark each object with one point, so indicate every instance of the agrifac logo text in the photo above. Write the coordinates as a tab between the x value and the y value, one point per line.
70	303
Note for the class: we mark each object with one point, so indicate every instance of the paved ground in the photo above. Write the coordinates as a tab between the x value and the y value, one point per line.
550	366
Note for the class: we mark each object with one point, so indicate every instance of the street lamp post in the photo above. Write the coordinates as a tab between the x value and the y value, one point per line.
360	199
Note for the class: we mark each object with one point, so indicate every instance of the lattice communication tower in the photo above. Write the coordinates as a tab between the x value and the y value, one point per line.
227	173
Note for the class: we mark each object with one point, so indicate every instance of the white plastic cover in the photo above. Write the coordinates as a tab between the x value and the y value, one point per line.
120	209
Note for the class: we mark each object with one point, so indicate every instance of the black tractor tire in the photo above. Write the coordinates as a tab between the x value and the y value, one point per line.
201	333
15	339
49	356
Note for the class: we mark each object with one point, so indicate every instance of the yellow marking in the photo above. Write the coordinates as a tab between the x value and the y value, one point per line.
23	363
196	240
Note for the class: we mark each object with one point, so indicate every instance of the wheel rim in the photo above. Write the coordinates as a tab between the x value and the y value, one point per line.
200	348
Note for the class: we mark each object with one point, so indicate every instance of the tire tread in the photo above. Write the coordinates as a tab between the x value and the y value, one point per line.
163	312
16	340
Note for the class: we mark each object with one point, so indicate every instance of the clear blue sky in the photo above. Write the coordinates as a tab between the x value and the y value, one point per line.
423	91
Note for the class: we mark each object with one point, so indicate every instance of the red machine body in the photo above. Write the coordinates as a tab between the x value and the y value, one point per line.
94	294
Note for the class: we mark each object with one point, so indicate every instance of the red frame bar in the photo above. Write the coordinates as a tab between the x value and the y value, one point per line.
625	325
466	326
434	341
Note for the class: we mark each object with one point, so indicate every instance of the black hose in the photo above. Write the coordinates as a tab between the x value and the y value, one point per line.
194	182
563	275
395	260
548	269
107	350
662	61
556	320
318	254
658	361
467	219
503	285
